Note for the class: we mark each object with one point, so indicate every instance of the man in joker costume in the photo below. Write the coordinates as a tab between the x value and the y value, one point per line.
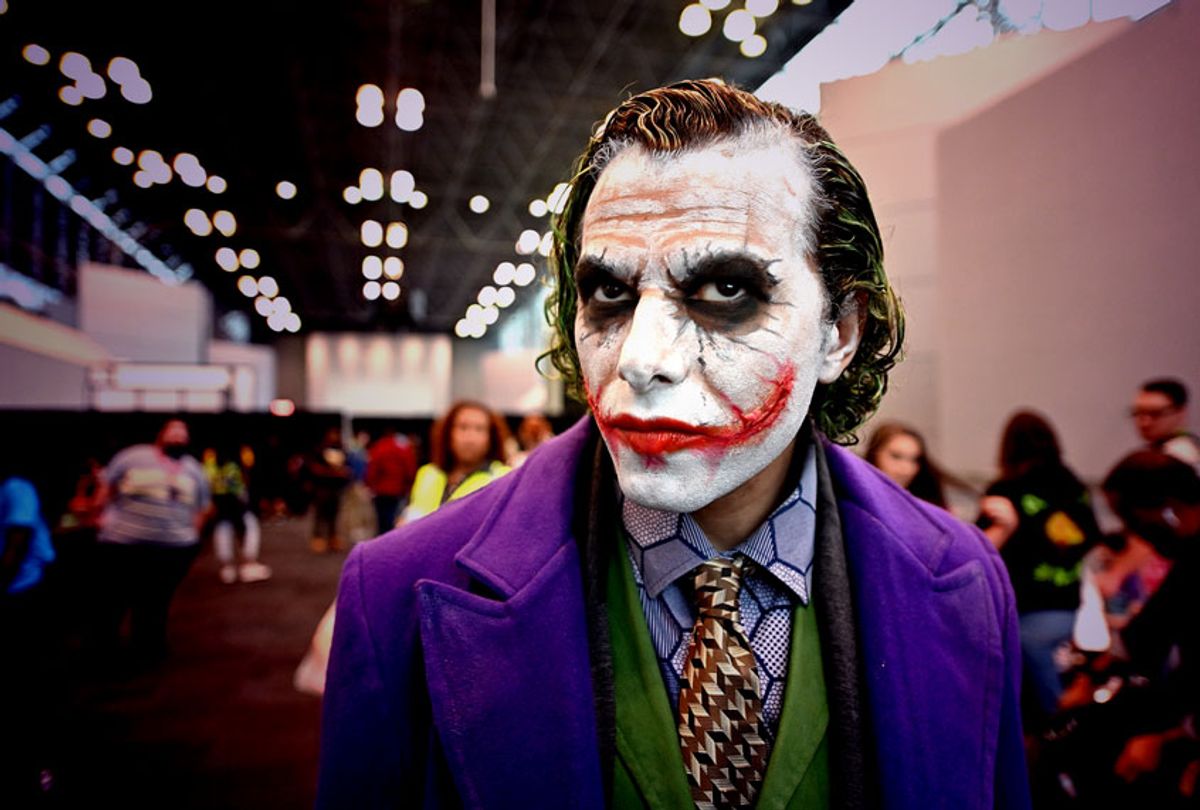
693	597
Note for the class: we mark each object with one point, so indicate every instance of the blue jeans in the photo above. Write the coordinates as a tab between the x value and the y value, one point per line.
1041	633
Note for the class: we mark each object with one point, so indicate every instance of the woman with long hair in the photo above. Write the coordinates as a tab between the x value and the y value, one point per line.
466	453
1040	516
899	453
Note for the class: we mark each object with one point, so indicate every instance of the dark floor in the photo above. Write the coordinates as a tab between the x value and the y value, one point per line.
218	725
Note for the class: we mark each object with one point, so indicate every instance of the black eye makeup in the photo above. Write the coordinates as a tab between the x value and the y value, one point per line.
726	291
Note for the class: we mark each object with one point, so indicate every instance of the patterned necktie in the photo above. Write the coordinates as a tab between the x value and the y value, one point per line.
719	698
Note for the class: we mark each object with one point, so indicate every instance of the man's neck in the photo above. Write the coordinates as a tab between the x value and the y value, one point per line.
730	519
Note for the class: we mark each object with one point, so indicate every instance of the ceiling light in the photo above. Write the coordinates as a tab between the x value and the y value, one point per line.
268	286
369	99
505	296
292	322
281	306
538	208
695	20
393	267
137	91
479	204
528	241
753	45
524	275
397	235
419	199
715	5
99	128
558	198
474	314
249	258
504	273
370	183
216	184
227	259
372	267
286	190
410	109
391	290
74	65
490	315
189	169
462	328
91	86
263	306
372	233
122	156
739	25
487	296
352	195
402	186
35	54
224	222
197	222
546	244
143	179
149	158
762	8
371	290
70	95
123	70
247	286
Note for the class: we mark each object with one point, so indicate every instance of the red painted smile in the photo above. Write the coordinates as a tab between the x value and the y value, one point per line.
655	438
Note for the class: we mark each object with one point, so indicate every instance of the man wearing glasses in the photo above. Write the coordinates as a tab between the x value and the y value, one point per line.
1160	414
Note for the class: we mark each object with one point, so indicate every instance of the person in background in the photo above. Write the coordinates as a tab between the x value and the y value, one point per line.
328	474
1043	548
467	453
1160	414
234	516
391	468
534	431
27	697
1157	497
156	499
899	453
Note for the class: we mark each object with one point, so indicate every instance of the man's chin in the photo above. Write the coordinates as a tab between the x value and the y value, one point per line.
676	483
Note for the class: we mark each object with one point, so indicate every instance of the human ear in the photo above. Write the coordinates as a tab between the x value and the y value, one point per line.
842	336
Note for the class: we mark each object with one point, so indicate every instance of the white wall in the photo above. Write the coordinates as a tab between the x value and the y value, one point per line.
253	376
378	374
137	317
998	177
1070	226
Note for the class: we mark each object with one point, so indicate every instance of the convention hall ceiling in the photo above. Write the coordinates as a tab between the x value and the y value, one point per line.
264	92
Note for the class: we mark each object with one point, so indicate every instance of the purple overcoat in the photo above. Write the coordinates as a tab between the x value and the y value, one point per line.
460	671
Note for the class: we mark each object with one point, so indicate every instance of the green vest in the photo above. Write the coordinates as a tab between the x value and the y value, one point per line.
648	766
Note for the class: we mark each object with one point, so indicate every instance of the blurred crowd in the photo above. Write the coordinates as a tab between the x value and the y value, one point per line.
1105	619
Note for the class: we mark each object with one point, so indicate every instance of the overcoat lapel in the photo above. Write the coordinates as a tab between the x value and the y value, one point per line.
506	658
929	635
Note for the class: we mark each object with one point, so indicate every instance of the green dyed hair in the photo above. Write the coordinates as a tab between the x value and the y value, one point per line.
846	246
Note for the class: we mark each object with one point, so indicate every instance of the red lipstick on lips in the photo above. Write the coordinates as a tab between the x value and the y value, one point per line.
657	437
654	438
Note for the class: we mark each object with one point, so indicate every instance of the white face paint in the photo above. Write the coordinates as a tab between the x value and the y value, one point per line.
700	327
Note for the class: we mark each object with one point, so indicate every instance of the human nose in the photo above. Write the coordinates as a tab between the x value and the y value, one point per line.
649	355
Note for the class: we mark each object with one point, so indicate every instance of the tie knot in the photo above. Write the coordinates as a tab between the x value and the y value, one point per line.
717	584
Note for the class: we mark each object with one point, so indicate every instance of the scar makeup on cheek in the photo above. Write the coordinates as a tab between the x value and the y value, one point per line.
653	439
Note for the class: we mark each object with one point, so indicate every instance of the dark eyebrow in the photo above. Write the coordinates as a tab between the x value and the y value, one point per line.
591	270
729	264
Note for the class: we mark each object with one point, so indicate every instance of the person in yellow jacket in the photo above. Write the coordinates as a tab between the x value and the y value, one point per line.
466	452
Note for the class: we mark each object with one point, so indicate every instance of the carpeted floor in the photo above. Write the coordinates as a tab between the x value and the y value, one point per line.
219	724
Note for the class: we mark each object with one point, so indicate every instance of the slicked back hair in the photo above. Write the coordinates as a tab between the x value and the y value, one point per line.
843	235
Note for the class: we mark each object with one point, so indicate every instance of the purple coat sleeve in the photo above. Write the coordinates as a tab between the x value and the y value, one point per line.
1012	776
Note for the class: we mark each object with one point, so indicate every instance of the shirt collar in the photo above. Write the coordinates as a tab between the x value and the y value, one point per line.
667	545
